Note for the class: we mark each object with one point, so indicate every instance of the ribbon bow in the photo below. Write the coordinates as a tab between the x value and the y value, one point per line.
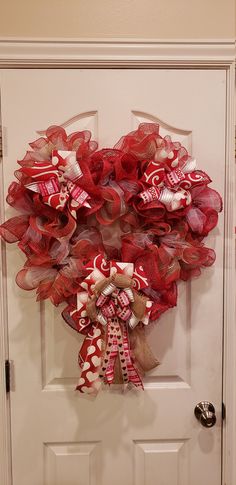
57	181
108	311
170	186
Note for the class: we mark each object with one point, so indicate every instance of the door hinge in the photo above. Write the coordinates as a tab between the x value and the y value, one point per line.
223	413
8	375
1	142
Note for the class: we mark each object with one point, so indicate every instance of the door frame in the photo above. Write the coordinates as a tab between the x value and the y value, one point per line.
133	53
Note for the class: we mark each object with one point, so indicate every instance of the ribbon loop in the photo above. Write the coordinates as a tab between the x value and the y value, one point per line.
58	182
170	178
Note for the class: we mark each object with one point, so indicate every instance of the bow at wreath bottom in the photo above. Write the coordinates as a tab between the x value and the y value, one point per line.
115	349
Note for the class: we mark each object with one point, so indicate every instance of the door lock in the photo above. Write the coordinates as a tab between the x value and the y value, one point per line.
205	413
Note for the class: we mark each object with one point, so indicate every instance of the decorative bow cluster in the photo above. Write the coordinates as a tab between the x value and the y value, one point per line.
58	181
170	178
108	310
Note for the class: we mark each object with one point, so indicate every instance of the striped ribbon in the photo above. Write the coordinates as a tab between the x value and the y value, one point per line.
117	347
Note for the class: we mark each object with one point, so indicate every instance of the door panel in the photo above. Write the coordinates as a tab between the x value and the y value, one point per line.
152	437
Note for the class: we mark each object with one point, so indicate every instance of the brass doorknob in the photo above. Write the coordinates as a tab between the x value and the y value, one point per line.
205	413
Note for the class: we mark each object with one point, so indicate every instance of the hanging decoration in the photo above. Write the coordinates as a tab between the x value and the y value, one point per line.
110	232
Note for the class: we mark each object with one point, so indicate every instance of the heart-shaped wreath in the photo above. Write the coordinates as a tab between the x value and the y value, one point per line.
110	232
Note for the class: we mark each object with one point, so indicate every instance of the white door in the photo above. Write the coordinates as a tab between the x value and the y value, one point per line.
151	437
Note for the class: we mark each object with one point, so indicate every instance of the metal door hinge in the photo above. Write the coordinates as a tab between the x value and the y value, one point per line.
0	141
223	411
8	375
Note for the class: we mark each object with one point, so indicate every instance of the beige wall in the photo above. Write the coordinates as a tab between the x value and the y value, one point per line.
159	19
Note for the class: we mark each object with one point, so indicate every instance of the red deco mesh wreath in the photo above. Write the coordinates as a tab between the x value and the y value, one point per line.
110	232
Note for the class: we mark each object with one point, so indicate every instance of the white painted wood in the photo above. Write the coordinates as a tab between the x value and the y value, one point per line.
5	445
45	409
229	368
160	462
72	463
115	52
